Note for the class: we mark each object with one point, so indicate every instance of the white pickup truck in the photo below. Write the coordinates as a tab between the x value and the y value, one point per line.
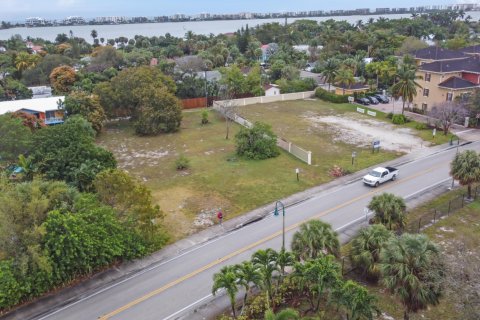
379	175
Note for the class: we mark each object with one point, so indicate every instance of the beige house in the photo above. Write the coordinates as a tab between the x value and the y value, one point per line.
433	53
446	80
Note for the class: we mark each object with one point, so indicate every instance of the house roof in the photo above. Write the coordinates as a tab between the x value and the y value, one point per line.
437	53
39	105
355	86
471	49
269	86
471	64
457	83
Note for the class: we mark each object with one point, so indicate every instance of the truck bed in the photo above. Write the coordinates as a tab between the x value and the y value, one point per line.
391	169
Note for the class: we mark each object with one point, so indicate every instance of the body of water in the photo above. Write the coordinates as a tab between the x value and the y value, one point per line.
177	29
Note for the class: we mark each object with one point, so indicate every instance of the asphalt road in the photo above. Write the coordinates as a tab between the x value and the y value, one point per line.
170	289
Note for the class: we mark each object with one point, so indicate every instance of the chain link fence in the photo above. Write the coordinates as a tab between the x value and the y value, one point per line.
442	211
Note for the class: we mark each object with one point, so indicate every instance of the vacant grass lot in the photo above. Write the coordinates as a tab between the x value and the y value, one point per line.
459	240
217	179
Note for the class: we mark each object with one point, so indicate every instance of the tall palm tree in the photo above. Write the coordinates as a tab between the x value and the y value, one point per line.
366	248
357	302
314	239
465	168
226	279
24	61
247	275
406	86
266	261
284	259
329	71
411	269
389	209
94	34
316	277
345	78
286	314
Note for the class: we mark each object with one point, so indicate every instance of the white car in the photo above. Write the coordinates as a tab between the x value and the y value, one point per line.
380	175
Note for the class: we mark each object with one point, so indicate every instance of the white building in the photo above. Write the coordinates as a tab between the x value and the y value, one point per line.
47	109
271	90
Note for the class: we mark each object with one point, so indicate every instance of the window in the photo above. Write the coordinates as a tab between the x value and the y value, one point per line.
449	96
424	106
426	92
428	77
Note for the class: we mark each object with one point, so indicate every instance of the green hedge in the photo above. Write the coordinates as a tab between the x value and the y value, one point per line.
331	97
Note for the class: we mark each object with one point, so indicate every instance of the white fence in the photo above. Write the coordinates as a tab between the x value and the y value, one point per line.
222	106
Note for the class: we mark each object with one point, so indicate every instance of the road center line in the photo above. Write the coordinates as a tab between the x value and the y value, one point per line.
255	244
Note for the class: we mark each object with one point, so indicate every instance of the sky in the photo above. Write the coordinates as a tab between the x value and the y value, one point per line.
18	10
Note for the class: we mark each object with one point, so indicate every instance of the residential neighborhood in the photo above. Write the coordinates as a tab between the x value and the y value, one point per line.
318	166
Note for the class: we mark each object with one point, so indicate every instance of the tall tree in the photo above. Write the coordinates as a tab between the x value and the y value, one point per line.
314	239
465	168
15	138
88	106
412	270
389	209
226	279
366	248
247	275
266	261
406	86
62	79
345	78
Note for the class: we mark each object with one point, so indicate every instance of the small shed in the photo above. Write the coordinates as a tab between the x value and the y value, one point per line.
271	90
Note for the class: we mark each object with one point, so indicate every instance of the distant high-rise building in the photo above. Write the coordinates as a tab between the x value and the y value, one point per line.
35	22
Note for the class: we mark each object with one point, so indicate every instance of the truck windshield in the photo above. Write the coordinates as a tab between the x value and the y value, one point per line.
375	174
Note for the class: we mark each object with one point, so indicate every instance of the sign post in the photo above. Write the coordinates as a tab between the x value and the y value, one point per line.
354	155
434	133
376	146
297	171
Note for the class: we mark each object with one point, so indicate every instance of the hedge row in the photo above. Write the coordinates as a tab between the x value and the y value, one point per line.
331	97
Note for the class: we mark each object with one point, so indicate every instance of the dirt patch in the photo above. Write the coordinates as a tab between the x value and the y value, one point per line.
188	211
361	132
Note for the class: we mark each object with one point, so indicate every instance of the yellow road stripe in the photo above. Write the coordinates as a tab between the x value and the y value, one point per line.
253	245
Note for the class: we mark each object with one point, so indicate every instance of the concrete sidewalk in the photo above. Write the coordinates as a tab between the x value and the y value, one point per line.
103	280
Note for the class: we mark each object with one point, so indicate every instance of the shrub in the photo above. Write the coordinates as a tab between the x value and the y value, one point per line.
331	97
204	117
182	163
420	126
399	119
257	142
389	115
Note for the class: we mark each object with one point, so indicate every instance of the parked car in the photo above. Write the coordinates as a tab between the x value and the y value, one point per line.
372	99
380	175
363	101
382	98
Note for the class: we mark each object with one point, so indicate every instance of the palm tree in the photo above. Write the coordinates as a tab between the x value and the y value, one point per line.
24	61
389	209
412	270
314	239
329	71
28	167
316	277
465	168
406	87
286	314
356	301
345	78
226	279
247	274
366	249
285	259
94	34
265	261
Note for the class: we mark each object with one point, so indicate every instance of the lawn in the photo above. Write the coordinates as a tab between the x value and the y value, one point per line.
217	178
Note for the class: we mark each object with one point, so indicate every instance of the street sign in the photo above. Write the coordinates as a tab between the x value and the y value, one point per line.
376	144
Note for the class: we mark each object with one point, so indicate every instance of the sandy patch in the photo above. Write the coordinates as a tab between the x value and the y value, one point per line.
362	132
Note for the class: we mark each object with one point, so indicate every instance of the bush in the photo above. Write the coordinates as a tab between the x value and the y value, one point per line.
182	163
399	119
420	126
389	115
204	117
331	97
257	142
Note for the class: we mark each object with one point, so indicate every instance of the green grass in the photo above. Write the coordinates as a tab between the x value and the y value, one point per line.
217	178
